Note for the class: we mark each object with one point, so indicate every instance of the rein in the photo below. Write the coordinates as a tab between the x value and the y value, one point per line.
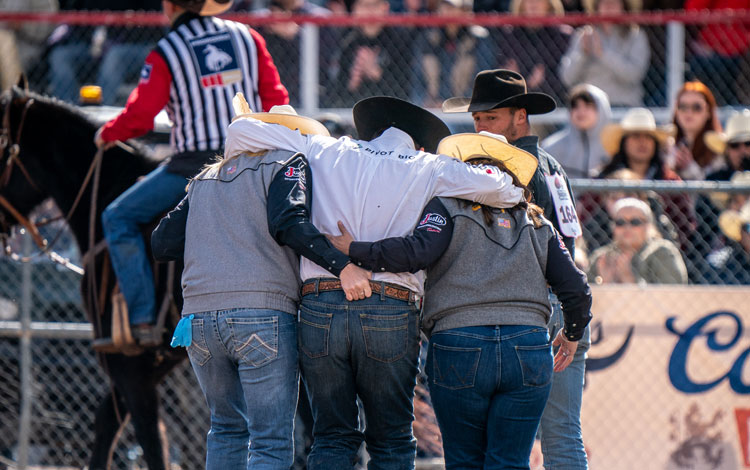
45	248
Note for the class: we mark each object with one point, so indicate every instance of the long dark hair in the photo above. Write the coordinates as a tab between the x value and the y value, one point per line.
535	212
701	153
620	160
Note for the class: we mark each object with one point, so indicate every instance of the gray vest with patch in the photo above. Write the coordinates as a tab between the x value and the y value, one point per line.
231	261
489	275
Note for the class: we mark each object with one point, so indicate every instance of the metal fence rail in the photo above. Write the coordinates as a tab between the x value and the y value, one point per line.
419	57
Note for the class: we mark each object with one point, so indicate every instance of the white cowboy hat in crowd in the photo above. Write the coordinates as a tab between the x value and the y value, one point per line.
732	223
639	120
469	146
738	130
279	114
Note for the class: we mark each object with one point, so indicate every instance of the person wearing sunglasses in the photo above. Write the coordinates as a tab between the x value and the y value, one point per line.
734	144
694	115
637	253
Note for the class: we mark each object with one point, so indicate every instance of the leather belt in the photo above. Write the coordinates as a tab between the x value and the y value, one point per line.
389	290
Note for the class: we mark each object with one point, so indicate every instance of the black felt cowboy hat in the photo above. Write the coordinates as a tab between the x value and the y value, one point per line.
372	115
204	7
500	89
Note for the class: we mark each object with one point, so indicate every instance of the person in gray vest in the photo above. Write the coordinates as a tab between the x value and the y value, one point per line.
193	72
241	291
500	104
489	361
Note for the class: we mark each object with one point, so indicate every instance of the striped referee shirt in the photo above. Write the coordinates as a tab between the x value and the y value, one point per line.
195	71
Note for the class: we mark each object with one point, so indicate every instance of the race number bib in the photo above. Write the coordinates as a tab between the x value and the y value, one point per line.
566	211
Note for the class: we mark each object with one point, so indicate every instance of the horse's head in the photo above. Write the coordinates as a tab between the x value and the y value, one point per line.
19	192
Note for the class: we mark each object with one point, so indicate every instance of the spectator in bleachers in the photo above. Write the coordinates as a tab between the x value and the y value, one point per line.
611	56
597	211
578	147
718	50
372	58
637	143
732	262
695	114
535	51
22	44
734	144
637	254
448	56
283	41
107	55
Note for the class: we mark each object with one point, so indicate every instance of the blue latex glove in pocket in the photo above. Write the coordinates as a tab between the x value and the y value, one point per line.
183	333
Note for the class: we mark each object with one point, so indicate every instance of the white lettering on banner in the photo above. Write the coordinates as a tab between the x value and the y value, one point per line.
564	207
669	385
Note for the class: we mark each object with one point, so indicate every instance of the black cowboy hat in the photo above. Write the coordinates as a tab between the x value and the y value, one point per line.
372	115
204	7
500	89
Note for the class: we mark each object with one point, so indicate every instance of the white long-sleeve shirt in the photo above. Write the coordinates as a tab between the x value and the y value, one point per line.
377	188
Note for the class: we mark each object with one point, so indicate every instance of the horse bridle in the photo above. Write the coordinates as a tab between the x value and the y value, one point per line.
14	150
33	228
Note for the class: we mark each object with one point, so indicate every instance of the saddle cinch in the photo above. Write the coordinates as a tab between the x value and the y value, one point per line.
120	340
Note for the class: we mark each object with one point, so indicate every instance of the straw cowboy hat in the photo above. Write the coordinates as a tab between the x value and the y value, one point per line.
500	89
733	223
204	7
738	130
372	115
639	120
279	114
466	147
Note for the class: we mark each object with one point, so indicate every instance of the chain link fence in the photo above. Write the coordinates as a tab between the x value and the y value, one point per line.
332	61
51	380
64	382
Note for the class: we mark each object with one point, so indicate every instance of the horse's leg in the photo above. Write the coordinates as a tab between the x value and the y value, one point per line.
108	425
143	403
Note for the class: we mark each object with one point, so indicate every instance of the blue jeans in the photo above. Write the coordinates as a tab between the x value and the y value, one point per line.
158	192
367	348
560	430
246	364
489	385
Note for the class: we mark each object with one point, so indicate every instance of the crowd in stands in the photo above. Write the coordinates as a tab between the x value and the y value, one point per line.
591	69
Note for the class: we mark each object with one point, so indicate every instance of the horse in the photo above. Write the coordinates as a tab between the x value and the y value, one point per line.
47	151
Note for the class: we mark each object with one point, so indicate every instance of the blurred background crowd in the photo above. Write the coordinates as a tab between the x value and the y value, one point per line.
621	120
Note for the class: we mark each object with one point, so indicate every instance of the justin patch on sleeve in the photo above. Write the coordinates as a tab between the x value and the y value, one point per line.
432	223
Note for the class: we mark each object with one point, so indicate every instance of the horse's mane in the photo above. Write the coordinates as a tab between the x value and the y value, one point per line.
59	111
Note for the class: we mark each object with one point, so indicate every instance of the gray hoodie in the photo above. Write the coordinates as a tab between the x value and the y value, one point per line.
580	152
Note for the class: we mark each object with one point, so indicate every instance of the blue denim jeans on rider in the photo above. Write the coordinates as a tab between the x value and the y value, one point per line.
488	386
560	429
247	366
366	349
158	192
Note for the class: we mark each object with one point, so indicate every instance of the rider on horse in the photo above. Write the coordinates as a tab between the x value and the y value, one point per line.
183	75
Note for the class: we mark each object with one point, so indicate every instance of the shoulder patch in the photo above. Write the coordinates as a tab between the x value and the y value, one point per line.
432	222
145	73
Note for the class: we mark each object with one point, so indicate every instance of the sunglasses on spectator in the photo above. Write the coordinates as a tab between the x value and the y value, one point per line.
694	107
632	222
736	145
